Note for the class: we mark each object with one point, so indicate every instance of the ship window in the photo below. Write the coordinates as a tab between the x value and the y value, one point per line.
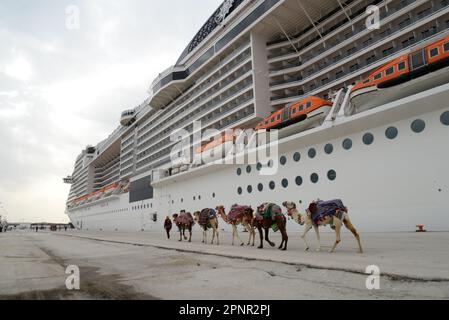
283	160
299	180
445	118
248	169
347	144
332	175
213	195
239	171
199	197
272	185
312	153
389	71
250	189
294	110
401	66
239	191
329	148
301	107
418	126
260	187
368	139
259	166
278	117
309	104
378	76
285	183
297	157
194	198
272	120
446	47
434	52
391	133
314	178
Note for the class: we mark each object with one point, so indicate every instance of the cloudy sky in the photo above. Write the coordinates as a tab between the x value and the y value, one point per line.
62	88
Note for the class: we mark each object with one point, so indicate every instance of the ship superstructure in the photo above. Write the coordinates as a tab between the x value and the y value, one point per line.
258	59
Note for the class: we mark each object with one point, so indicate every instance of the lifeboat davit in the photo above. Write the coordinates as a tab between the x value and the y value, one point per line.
304	114
409	74
217	149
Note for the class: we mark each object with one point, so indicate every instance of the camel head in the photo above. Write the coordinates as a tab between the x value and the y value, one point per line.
261	208
196	216
291	210
220	210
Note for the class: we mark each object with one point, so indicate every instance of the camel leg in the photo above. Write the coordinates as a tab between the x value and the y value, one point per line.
284	238
267	239
337	223
261	237
317	231
247	227
236	233
180	234
190	234
303	237
216	231
233	234
350	227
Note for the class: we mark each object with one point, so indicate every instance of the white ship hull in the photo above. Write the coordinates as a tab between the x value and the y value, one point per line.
390	185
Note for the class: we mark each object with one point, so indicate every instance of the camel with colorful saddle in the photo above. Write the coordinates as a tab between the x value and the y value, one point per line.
239	215
207	219
269	215
184	221
323	213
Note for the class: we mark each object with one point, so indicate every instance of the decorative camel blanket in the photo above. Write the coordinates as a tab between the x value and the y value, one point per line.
323	209
236	210
270	210
206	215
185	218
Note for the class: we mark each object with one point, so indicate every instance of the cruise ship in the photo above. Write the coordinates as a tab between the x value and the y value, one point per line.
329	99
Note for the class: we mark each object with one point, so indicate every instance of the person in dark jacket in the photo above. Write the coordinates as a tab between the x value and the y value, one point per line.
167	226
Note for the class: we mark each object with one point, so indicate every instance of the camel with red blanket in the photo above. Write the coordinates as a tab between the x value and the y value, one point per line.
184	221
269	215
323	213
207	219
239	215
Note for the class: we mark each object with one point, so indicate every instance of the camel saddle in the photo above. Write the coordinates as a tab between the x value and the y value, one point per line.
269	211
205	216
236	210
320	210
185	219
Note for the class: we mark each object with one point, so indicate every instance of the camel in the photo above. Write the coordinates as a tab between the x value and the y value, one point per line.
207	219
334	220
184	221
239	215
263	222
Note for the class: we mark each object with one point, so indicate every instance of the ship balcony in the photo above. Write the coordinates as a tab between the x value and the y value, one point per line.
127	118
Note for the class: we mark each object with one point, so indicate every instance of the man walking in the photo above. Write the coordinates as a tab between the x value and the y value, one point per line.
167	226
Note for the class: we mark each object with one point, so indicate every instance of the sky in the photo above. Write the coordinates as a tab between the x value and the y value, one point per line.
68	68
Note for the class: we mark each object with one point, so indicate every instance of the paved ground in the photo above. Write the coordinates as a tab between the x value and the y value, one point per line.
139	266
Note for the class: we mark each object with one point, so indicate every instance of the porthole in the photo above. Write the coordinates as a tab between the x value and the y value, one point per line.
299	180
314	178
272	185
418	126
259	166
368	139
328	148
391	133
239	191
199	197
239	171
285	183
445	118
297	157
213	195
194	198
248	169
283	160
332	175
260	187
347	144
182	201
250	189
312	153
